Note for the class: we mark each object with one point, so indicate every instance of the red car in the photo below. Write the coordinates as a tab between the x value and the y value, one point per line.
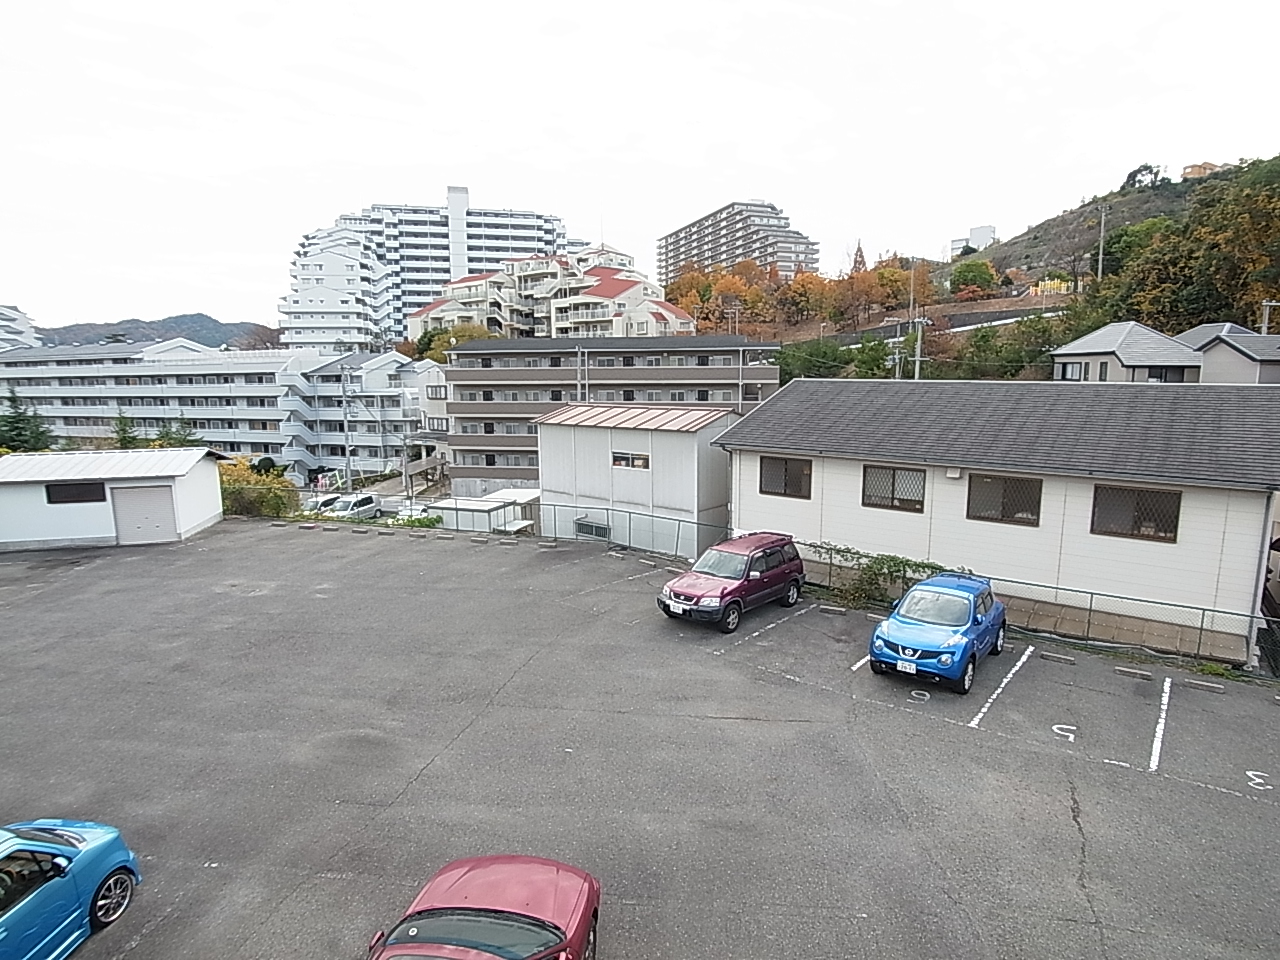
509	907
736	575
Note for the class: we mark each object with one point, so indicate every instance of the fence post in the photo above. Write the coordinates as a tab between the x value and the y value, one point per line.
630	539
1200	636
831	567
1088	620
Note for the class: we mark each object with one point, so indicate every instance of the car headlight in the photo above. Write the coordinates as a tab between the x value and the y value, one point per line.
952	641
945	660
877	643
709	602
666	590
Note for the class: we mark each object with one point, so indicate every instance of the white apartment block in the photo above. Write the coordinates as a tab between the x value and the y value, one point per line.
596	292
753	230
16	329
339	298
979	238
421	249
302	408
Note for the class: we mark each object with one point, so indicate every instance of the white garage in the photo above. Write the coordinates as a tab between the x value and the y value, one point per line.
101	498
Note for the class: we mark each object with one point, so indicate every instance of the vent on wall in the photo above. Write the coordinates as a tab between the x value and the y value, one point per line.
953	473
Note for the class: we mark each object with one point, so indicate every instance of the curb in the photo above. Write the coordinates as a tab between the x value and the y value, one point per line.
359	529
509	543
834	611
308	526
386	533
444	536
648	563
278	523
331	529
1205	685
417	536
546	546
1134	674
1061	658
479	539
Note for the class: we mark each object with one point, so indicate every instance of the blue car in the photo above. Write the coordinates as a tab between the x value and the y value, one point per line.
940	629
60	880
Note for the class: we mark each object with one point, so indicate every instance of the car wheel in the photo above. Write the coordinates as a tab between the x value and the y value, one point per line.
997	645
731	617
111	899
965	683
878	667
792	596
590	952
377	514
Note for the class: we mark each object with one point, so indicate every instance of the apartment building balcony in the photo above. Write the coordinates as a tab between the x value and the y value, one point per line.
489	410
564	376
298	405
486	441
581	316
460	472
294	430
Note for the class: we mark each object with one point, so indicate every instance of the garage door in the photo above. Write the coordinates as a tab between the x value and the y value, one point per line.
144	514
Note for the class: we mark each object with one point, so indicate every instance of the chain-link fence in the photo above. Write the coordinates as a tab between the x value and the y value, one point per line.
669	536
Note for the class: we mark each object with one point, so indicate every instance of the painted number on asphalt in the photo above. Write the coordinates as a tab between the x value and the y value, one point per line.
921	695
1258	780
1065	731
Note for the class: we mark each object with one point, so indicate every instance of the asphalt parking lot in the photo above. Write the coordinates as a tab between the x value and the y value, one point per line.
295	728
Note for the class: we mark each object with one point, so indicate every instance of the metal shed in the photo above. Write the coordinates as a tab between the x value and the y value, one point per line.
98	498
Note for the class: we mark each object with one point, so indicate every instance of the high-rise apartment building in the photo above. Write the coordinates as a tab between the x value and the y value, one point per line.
419	250
16	329
753	230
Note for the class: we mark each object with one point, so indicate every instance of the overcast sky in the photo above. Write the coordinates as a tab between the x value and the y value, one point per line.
164	158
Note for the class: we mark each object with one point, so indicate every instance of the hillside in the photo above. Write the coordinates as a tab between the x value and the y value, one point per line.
1066	242
199	327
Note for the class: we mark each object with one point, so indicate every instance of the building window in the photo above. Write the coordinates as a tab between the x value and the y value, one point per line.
786	477
628	395
75	493
557	395
435	393
653	395
677	396
1135	512
1004	499
438	424
1068	371
1102	370
635	461
703	395
893	488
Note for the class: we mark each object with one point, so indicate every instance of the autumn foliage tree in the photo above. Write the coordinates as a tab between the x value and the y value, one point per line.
247	493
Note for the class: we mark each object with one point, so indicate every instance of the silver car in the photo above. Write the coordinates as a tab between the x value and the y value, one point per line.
356	506
323	502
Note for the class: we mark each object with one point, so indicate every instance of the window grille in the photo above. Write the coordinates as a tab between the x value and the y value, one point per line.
1136	512
893	488
1004	499
786	477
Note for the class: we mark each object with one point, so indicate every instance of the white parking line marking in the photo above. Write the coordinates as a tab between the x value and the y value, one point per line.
1026	654
1119	763
1066	731
1157	743
860	663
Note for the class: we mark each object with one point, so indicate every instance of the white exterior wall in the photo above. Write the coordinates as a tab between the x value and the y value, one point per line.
27	522
1224	364
684	482
197	498
16	329
1213	564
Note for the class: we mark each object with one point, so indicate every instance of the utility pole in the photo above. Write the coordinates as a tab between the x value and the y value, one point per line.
911	313
1102	239
346	426
1266	314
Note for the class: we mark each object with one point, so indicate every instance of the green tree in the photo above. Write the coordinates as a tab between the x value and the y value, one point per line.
870	359
973	273
813	358
459	334
21	428
125	435
176	433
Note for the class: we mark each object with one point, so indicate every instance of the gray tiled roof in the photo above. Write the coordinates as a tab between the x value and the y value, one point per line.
1135	345
1252	345
1198	337
1211	434
605	344
82	351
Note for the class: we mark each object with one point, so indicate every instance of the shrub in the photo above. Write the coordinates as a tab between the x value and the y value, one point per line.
249	494
866	580
424	522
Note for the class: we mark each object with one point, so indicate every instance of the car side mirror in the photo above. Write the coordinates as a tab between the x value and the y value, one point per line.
978	620
60	866
377	939
753	575
894	604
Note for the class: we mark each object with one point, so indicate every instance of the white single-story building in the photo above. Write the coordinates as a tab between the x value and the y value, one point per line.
644	476
1153	503
99	498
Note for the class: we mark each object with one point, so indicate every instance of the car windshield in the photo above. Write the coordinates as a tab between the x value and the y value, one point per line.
509	936
930	606
721	563
346	503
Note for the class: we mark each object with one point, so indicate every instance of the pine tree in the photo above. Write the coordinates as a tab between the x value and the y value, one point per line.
126	436
859	260
177	433
21	428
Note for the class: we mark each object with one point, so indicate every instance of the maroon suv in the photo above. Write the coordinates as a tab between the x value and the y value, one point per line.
734	576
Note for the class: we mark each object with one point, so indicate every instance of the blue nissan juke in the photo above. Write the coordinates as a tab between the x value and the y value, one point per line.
940	629
60	881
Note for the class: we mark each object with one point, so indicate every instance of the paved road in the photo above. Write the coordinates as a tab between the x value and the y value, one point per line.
296	727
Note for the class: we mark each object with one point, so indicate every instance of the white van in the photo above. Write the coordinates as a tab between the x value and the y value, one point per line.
356	506
322	502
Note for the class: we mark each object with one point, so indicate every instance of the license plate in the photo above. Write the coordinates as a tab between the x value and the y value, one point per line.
904	667
677	607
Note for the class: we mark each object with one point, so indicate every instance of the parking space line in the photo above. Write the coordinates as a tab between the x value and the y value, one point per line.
1157	742
860	663
768	626
1026	654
